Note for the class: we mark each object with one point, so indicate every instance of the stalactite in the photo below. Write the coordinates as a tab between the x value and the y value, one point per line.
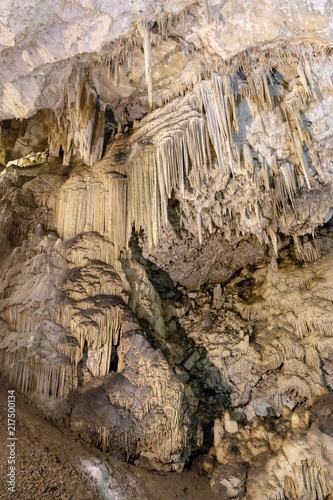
285	188
172	156
30	370
78	126
148	64
308	251
248	159
79	199
220	112
272	235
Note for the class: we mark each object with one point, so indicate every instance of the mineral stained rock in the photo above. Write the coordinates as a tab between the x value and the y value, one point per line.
166	255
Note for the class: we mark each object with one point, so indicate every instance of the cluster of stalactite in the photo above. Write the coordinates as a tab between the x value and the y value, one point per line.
42	345
78	126
143	385
173	151
96	203
181	149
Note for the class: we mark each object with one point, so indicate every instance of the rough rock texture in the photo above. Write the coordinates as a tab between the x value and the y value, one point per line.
166	233
38	38
55	463
75	326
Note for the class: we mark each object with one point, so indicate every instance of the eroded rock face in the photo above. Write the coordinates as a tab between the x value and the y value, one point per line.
76	328
39	38
166	235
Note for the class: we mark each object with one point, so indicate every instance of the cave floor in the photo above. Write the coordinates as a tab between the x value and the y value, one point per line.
52	462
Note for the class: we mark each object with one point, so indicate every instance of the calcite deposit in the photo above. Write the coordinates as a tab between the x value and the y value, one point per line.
166	255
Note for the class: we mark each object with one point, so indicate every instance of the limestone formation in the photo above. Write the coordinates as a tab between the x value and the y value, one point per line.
166	257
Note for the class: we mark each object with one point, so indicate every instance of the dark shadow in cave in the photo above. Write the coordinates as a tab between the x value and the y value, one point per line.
212	401
114	359
82	364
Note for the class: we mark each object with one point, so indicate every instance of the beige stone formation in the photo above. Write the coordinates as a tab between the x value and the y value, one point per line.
166	257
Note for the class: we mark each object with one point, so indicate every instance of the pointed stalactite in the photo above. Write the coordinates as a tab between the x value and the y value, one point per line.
173	156
148	64
78	126
97	204
144	29
248	159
